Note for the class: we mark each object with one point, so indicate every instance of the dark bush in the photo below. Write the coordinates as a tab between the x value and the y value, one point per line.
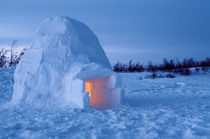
140	78
204	69
119	67
160	76
167	65
170	75
197	69
205	63
139	67
152	76
185	72
136	67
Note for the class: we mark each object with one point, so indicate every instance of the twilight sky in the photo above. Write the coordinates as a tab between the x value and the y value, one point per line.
142	30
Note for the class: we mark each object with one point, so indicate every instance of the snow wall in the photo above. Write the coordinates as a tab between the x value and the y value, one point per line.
53	70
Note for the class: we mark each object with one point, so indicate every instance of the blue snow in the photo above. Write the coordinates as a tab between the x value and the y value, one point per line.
152	108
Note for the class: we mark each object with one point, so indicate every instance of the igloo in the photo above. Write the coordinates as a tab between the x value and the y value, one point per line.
65	66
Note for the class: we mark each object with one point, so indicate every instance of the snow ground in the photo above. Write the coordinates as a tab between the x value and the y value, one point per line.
152	108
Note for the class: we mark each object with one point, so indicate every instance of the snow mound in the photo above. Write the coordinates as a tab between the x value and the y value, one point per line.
64	53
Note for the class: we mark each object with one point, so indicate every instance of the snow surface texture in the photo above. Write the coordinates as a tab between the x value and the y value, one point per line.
65	52
159	108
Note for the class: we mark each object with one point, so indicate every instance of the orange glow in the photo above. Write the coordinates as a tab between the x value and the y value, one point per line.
99	95
98	92
88	87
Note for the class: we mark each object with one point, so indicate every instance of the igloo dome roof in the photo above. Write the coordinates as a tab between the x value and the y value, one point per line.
60	32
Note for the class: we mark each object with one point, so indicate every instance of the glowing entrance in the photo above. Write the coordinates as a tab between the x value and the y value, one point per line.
101	92
98	91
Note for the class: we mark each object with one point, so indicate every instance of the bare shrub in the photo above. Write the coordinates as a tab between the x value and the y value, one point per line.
3	58
10	57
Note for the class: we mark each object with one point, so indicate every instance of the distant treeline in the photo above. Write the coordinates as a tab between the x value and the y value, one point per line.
175	66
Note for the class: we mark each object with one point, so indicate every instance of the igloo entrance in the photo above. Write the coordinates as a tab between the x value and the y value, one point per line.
102	95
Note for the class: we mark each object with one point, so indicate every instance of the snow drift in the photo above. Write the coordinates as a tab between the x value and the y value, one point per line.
65	56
